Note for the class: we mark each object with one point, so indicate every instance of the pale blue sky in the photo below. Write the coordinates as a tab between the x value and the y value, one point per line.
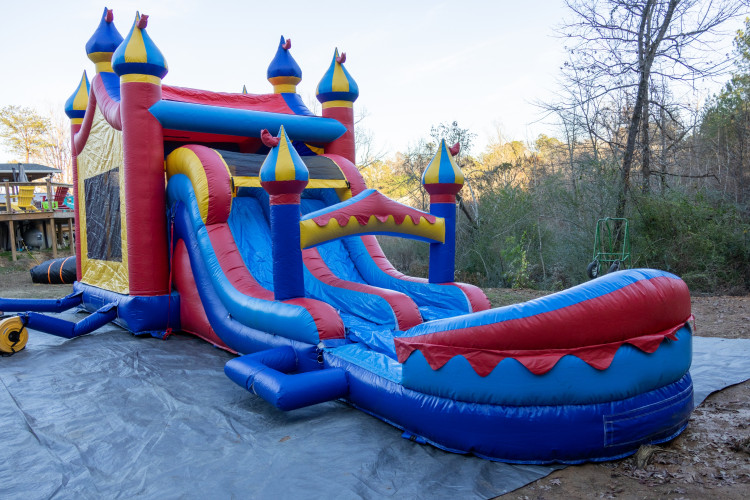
417	63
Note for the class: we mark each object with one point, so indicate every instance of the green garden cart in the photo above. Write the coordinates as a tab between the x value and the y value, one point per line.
611	246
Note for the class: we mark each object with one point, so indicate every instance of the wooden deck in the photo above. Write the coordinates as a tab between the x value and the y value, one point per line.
56	221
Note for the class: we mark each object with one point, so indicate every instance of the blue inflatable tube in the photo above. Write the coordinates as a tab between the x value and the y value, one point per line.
41	305
68	329
269	375
176	115
141	315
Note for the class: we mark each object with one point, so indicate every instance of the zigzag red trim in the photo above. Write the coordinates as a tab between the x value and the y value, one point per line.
376	204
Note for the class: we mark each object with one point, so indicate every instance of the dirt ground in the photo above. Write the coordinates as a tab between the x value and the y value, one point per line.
710	459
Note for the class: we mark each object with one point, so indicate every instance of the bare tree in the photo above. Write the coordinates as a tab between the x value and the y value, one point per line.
618	47
56	152
368	153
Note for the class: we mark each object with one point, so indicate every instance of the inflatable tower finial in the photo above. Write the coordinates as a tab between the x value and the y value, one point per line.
103	43
75	106
337	92
284	73
138	58
443	179
284	176
337	88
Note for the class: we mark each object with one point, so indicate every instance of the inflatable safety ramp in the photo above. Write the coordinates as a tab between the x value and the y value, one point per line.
588	374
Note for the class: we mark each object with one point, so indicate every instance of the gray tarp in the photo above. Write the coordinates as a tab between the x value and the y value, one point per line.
109	415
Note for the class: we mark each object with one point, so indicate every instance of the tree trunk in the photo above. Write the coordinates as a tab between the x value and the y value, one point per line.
646	54
645	148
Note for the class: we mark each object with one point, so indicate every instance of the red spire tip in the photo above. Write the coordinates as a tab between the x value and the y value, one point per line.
143	22
342	58
287	45
455	149
110	16
267	139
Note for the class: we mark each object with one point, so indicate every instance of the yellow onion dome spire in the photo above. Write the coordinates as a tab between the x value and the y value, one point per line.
442	175
75	106
138	54
337	87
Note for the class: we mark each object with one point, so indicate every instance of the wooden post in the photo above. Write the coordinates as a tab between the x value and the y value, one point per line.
49	194
11	224
71	243
12	227
53	237
7	197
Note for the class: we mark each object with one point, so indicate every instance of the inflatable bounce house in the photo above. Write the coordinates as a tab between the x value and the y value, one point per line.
242	219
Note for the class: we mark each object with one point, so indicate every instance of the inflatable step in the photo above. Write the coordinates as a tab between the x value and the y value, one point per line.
271	375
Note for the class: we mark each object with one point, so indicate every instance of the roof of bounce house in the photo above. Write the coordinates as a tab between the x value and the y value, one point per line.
191	115
231	116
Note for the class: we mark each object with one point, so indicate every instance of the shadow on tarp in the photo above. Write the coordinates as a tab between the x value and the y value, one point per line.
112	415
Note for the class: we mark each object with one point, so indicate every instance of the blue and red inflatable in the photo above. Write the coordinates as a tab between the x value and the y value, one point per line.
263	244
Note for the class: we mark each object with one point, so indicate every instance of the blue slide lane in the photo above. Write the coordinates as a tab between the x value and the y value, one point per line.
436	300
250	229
289	320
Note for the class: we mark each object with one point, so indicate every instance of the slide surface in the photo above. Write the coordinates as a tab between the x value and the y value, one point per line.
344	287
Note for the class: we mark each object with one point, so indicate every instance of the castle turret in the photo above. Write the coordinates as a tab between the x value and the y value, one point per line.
140	65
104	42
75	108
138	58
443	179
284	176
337	92
284	73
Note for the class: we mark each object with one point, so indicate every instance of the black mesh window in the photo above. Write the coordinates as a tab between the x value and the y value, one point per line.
103	216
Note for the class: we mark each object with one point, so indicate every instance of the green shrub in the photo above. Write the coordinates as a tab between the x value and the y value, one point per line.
702	238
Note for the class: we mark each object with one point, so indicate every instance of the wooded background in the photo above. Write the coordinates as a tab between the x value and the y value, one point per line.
632	139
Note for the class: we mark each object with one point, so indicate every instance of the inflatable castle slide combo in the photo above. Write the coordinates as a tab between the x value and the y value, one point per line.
242	219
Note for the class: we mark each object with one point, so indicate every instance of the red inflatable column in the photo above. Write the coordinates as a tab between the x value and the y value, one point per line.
337	92
141	66
344	145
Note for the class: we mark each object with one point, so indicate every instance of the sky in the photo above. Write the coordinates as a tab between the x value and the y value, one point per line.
417	63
